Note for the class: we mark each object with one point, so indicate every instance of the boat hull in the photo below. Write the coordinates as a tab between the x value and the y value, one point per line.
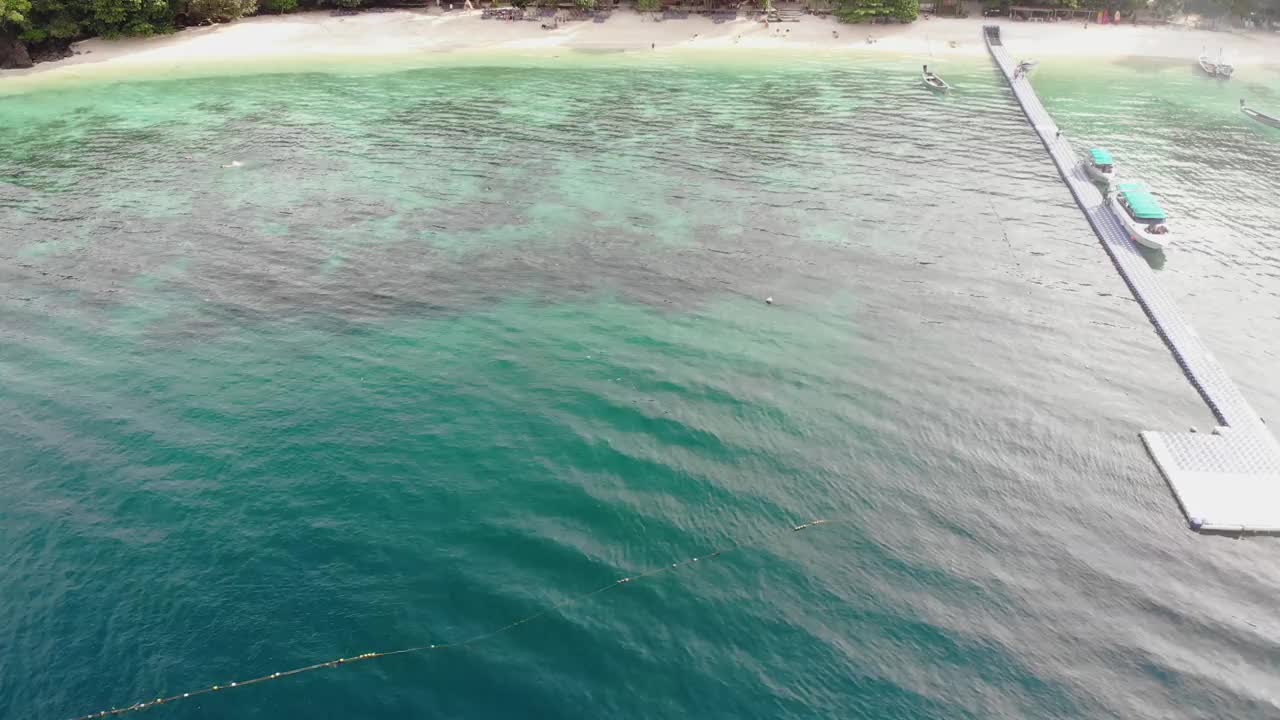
1137	231
1097	175
1262	117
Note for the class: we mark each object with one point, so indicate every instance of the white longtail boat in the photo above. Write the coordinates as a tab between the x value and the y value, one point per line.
1260	116
932	81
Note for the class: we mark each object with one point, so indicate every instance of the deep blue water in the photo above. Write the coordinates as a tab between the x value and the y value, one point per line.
453	345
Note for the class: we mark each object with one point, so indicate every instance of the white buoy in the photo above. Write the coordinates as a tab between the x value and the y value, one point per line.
768	301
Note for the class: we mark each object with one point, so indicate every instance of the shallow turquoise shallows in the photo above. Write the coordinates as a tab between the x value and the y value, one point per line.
302	366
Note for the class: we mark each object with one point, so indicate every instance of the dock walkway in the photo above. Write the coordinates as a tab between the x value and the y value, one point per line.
1225	481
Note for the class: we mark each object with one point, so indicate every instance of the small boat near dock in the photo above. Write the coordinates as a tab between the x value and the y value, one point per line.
1260	116
1136	208
1100	167
1209	67
933	82
1225	69
1215	68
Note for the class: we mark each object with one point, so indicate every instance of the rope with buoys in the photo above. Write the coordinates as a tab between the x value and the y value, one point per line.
148	704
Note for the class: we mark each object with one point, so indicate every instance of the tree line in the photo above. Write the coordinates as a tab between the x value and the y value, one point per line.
41	20
61	21
1214	9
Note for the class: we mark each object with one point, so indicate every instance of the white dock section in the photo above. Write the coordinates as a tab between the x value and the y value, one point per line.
1227	481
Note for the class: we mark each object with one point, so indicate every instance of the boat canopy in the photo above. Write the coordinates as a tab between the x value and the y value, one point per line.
1143	205
1101	157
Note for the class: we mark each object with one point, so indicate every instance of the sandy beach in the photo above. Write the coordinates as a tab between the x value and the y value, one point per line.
277	42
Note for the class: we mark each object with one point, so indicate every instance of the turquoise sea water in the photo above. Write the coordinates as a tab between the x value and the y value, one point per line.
455	344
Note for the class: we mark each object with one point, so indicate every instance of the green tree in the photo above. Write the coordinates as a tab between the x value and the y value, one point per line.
1210	8
204	11
112	18
905	10
853	11
13	12
648	5
585	4
55	19
278	6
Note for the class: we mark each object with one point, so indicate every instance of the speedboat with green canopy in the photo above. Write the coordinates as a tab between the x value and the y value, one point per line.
1139	211
1100	167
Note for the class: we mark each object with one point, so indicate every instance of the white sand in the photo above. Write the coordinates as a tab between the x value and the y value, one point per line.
283	42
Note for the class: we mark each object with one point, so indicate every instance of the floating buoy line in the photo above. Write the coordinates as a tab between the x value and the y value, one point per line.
362	657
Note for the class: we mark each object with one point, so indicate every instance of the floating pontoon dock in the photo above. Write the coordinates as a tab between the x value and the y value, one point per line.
1227	481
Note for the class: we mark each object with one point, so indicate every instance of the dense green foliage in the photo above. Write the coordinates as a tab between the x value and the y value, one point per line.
40	20
197	12
63	20
1224	8
13	11
66	19
867	10
1257	9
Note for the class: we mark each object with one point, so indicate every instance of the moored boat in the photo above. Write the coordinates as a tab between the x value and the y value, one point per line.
1215	68
1225	69
1100	166
932	81
1136	208
1261	117
1208	66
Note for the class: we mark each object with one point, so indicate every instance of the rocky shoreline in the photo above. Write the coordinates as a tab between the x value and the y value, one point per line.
16	54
